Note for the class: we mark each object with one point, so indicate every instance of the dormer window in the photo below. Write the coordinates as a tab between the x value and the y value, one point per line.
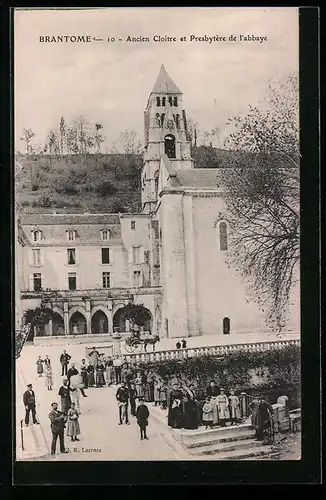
158	101
175	101
71	235
105	234
37	235
170	100
163	101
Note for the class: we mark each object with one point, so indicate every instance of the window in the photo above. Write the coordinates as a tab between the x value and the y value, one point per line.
169	145
36	252
133	225
105	234
37	235
72	282
223	236
163	101
175	101
71	256
71	234
177	121
226	326
162	118
158	101
158	119
136	255
105	256
37	282
106	280
137	278
170	100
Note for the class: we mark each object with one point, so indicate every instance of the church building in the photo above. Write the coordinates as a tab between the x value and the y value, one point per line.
171	257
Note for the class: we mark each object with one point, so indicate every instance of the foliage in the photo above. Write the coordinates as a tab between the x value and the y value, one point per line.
39	316
137	314
275	368
262	198
27	136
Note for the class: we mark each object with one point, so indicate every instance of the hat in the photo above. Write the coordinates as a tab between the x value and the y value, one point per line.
221	389
55	403
29	385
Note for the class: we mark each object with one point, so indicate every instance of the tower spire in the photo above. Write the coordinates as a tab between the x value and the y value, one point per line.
164	83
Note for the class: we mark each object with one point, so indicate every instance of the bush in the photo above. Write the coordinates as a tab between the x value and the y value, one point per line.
66	188
105	188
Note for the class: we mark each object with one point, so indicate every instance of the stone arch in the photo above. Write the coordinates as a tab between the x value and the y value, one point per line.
99	308
77	309
119	324
99	322
169	145
58	326
58	311
78	318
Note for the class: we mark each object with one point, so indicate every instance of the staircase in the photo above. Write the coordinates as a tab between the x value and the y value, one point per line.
220	443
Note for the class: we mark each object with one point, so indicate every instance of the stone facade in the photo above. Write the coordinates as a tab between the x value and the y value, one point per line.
171	257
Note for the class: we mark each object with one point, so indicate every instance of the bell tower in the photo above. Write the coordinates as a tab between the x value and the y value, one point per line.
165	133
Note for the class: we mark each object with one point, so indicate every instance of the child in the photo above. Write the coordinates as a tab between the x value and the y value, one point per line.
73	429
157	393
48	377
142	415
208	413
39	366
234	405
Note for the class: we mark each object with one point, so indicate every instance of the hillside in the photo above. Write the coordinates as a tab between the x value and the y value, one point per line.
89	183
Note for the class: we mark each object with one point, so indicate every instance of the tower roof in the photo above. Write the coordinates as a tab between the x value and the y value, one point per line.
164	84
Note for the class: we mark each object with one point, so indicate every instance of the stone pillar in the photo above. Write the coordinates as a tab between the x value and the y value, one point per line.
243	404
88	317
66	317
50	327
110	315
127	325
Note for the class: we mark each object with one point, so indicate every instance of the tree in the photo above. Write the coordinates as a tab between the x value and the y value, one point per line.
136	314
129	142
261	182
82	127
38	317
53	142
27	136
62	134
99	138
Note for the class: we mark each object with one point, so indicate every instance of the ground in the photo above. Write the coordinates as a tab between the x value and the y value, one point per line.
290	447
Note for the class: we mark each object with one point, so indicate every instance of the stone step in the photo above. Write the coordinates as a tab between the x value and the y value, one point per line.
253	453
213	448
216	439
201	435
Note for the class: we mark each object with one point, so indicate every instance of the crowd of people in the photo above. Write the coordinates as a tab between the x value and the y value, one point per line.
135	388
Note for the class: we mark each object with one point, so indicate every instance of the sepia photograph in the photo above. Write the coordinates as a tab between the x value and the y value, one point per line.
157	234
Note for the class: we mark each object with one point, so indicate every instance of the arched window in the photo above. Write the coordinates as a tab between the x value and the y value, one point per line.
170	100
223	236
169	145
156	182
105	234
177	120
71	235
158	101
163	101
37	235
226	326
162	119
158	119
175	101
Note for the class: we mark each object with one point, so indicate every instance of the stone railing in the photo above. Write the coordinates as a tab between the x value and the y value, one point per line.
221	350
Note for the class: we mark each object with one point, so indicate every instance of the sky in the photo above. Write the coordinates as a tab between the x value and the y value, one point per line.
109	82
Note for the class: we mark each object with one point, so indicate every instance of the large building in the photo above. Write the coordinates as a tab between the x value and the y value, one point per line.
170	257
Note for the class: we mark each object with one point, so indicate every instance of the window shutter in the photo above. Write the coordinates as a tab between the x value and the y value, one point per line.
111	255
141	255
42	282
111	280
130	255
30	281
42	256
30	256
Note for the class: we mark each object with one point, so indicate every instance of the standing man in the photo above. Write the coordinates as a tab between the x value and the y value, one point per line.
117	363
93	356
122	398
184	343
30	404
58	420
262	419
132	399
64	360
142	418
64	393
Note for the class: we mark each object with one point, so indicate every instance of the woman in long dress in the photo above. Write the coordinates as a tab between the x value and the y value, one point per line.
73	429
175	412
223	408
140	388
190	412
149	392
234	405
99	370
39	366
48	377
157	392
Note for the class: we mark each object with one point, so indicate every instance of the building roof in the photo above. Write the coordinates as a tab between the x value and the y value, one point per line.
68	219
197	178
164	84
